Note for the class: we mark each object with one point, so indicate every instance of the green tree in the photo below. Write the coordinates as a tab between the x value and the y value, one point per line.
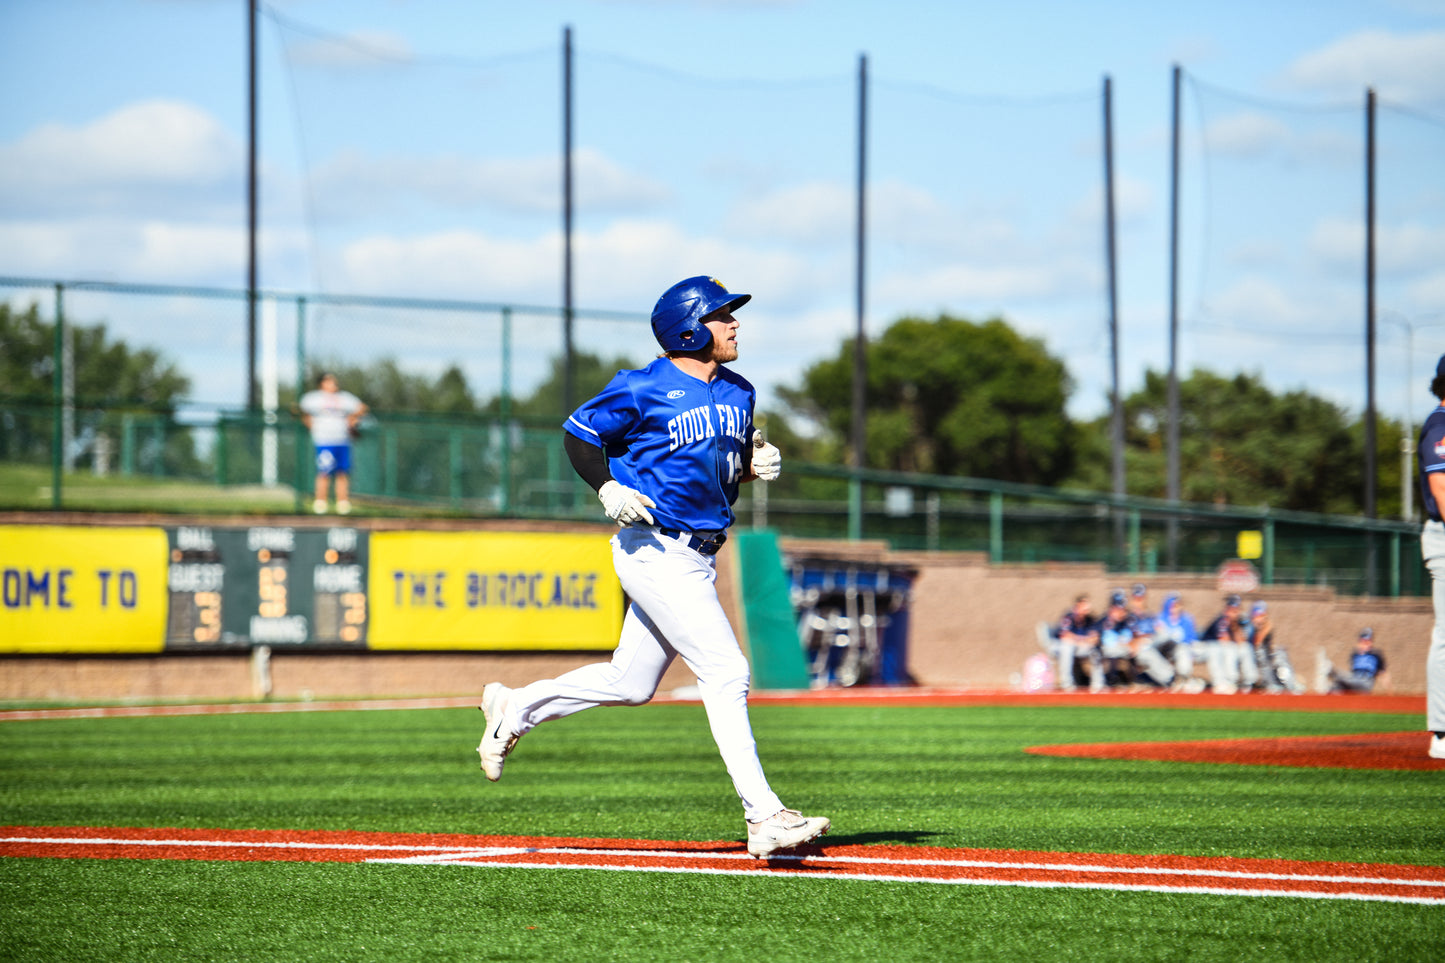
386	387
1241	444
947	396
590	374
107	372
112	381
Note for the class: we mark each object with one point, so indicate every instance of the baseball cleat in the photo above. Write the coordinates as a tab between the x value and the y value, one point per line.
1437	747
498	739
784	829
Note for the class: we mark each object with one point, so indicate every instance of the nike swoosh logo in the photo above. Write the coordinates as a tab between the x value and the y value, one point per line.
497	732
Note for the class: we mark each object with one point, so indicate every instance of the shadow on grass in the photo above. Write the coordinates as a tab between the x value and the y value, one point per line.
901	837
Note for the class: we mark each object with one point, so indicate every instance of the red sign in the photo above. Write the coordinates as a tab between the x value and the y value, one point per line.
1238	577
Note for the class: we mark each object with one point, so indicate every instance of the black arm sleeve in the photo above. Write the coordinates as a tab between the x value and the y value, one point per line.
589	460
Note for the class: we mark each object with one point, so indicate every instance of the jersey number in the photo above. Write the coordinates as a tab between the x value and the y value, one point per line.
735	466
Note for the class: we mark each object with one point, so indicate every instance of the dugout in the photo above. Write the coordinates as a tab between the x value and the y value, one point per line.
852	619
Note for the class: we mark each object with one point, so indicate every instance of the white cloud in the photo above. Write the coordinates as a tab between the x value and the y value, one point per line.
1403	248
1193	50
810	213
822	213
1255	301
623	267
603	185
352	183
141	250
450	263
1429	293
1400	66
1133	203
155	152
360	50
1331	139
986	287
1258	253
915	218
1246	134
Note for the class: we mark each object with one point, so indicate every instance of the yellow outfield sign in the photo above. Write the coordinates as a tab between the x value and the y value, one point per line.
78	589
492	590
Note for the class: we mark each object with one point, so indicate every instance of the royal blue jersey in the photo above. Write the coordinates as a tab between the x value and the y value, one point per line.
677	439
1368	664
1432	458
1178	626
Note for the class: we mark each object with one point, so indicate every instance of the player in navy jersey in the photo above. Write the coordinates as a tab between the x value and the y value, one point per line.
1431	454
1224	642
666	447
1078	635
1115	665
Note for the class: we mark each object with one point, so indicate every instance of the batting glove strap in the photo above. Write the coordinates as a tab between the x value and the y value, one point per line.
625	506
767	462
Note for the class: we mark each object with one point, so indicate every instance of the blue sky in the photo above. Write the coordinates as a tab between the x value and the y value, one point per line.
419	157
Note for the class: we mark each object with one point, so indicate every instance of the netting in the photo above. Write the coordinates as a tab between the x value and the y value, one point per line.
675	174
1273	244
993	207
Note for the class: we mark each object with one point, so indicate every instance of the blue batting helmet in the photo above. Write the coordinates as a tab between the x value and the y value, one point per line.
677	319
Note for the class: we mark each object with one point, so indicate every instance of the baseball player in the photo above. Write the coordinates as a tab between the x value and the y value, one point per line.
1275	667
1431	453
1179	644
1115	665
332	415
1078	635
1154	667
1367	668
666	447
1222	641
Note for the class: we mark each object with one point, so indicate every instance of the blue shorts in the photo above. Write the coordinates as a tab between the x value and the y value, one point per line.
333	459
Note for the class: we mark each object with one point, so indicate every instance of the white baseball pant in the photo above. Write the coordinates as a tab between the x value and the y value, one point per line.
674	612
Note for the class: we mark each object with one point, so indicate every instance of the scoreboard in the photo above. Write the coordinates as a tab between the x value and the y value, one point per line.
197	587
266	585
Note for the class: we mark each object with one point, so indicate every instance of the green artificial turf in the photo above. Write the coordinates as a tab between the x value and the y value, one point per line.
952	776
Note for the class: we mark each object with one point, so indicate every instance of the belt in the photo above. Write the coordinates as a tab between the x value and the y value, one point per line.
704	543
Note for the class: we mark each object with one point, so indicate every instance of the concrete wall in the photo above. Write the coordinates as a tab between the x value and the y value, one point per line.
972	625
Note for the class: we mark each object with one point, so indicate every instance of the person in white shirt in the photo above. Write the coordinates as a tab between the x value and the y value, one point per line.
332	415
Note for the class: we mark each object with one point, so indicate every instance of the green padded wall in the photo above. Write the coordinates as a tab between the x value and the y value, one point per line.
772	627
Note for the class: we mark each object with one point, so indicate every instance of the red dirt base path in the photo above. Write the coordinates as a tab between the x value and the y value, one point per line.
1378	882
1384	750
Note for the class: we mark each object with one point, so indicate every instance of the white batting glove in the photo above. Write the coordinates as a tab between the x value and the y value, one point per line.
624	505
767	460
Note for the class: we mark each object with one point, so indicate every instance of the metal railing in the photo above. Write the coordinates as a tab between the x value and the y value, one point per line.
493	467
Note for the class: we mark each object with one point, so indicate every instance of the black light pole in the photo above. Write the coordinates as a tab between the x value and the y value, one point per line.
1370	506
1116	418
857	455
1173	442
860	346
1370	500
252	401
568	389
